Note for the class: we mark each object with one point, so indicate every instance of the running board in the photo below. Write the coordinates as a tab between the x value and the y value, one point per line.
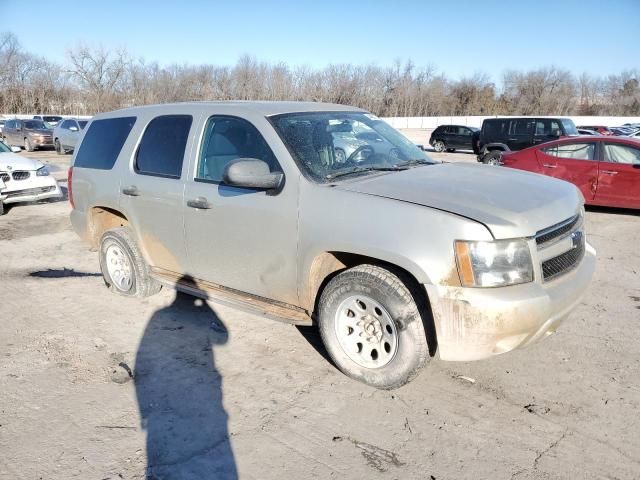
272	309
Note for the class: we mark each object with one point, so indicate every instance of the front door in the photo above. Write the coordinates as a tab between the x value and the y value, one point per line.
240	238
619	176
152	190
574	162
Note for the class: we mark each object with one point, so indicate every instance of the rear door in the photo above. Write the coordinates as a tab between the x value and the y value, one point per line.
62	131
520	133
152	192
619	175
574	162
11	132
72	133
464	138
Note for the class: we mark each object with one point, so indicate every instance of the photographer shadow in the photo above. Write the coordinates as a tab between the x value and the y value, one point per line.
179	393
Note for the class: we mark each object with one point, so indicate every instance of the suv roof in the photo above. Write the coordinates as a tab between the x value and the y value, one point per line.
266	108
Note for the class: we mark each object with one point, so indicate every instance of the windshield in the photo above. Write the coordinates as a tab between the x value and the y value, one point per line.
4	148
569	127
51	118
329	144
35	125
82	123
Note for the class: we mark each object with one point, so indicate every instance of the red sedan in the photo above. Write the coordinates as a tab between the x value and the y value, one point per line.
605	169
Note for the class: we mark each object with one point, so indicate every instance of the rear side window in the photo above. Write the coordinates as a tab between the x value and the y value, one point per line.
161	149
575	151
617	153
103	142
494	129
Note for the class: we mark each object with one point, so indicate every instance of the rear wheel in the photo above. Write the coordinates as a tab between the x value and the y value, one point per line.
439	146
493	158
123	267
372	327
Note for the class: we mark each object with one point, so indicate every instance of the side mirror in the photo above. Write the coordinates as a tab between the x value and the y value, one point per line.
16	149
251	173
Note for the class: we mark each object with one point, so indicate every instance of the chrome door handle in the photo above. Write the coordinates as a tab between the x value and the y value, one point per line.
132	191
549	165
199	203
609	172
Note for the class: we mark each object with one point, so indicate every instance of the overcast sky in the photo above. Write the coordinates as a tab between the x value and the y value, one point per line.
459	38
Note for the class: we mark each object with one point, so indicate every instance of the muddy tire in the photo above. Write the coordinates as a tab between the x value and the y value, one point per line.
372	326
124	270
492	158
1	208
439	146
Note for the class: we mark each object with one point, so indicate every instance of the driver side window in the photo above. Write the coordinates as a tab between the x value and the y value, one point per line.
226	139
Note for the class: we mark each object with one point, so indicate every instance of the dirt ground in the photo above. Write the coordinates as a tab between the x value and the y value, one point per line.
98	386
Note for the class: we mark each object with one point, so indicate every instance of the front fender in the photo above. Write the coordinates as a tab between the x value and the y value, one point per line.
415	238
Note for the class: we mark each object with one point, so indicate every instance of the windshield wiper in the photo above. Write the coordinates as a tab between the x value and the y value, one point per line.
414	162
393	168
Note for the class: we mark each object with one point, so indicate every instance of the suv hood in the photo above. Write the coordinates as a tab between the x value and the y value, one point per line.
41	131
511	203
17	162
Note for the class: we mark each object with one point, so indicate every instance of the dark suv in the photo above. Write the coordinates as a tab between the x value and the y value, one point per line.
452	137
500	135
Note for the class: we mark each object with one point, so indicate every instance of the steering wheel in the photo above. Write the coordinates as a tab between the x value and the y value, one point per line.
365	151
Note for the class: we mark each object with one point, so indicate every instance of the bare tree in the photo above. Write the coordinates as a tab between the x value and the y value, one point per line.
99	73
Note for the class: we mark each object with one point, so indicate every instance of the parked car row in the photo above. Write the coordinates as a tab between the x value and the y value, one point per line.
42	131
499	135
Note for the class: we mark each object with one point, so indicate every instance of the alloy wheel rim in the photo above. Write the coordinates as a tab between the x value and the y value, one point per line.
119	268
366	332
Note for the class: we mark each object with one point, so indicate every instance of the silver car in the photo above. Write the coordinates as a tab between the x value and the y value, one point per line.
66	134
395	258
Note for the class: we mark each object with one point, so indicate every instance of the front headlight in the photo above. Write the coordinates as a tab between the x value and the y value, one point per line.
43	171
494	264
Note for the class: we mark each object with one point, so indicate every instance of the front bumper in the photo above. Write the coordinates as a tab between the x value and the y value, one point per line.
476	323
42	141
32	190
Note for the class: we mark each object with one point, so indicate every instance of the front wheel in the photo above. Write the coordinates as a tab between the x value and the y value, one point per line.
123	267
493	158
58	147
372	327
28	146
439	146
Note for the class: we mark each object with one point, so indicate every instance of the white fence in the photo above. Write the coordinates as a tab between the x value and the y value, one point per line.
476	121
27	116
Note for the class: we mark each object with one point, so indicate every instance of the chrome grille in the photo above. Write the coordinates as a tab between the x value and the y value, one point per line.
556	231
20	175
5	177
566	261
